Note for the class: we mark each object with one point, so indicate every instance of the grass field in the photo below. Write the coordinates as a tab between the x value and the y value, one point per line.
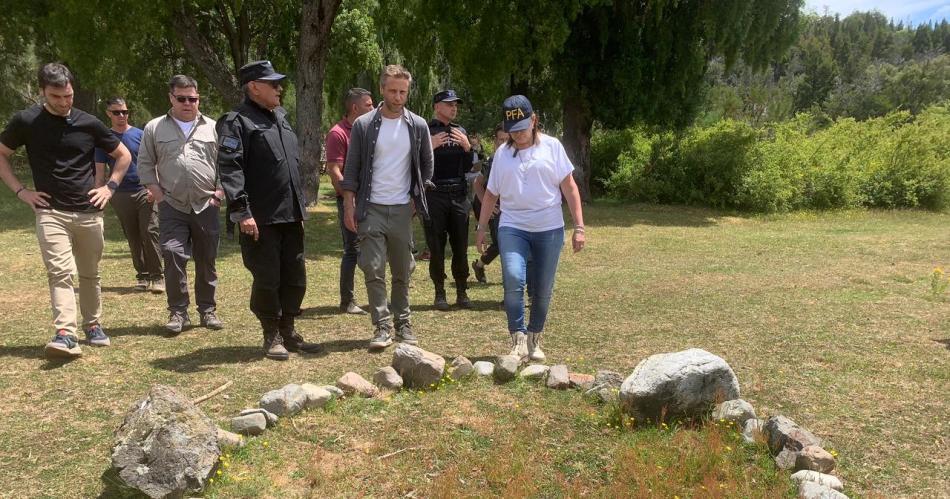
826	318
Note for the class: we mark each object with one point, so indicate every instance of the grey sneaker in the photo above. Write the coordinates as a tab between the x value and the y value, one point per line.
211	321
97	337
405	335
141	285
519	345
63	346
352	308
177	321
534	347
382	338
157	286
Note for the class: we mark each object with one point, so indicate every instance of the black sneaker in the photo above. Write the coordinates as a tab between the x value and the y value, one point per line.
440	303
382	338
211	321
405	335
479	268
462	299
294	342
96	337
177	321
63	346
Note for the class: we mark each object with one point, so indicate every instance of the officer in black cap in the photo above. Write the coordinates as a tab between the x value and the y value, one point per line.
257	161
448	201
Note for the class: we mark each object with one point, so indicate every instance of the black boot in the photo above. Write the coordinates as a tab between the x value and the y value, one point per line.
440	302
293	341
273	342
461	296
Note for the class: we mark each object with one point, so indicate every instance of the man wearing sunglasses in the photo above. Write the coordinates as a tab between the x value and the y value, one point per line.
177	164
132	202
258	161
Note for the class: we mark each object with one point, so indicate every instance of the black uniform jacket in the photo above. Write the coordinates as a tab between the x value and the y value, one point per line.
258	165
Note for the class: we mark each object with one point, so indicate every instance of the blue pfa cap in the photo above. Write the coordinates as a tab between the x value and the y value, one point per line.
517	113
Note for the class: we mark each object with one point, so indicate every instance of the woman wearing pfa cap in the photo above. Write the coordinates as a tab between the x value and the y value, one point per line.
530	173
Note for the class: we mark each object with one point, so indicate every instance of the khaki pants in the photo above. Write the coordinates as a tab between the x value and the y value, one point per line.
385	236
70	243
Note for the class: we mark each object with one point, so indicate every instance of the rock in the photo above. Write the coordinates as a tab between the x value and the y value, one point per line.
461	367
228	440
352	383
269	416
752	430
782	433
249	424
418	368
738	411
317	396
285	401
814	458
608	378
387	377
506	368
334	390
558	378
812	490
165	447
534	371
830	481
483	368
604	394
785	460
680	384
581	381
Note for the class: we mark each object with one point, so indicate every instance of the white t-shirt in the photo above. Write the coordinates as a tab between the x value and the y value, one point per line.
529	185
391	171
185	126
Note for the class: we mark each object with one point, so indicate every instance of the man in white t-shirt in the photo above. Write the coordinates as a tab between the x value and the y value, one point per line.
388	166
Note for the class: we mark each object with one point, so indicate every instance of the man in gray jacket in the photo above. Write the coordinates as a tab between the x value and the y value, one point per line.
388	167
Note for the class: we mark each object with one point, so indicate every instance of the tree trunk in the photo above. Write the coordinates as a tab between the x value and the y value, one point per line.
202	53
578	125
316	19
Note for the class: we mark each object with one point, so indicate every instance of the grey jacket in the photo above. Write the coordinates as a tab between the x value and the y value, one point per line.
358	168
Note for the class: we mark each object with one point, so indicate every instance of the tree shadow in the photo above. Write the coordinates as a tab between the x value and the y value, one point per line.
945	342
205	359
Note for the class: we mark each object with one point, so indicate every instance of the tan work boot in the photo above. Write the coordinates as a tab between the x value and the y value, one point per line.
534	347
519	345
274	346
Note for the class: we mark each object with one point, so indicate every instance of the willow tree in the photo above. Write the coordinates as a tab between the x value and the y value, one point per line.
614	62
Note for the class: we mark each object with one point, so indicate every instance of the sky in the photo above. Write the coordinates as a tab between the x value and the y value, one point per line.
910	11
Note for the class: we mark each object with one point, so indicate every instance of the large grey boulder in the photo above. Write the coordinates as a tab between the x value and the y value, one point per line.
506	368
680	384
418	368
783	433
165	447
285	401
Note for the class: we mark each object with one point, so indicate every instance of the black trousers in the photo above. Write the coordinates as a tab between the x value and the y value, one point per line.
448	219
277	265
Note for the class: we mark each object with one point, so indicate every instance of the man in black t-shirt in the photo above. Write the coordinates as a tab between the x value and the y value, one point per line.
60	144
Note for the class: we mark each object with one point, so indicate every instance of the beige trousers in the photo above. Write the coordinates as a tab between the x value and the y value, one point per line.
71	243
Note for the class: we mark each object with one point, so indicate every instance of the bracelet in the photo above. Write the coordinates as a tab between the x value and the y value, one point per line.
579	228
18	191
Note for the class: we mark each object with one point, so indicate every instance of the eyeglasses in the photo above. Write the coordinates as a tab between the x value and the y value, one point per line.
120	112
182	99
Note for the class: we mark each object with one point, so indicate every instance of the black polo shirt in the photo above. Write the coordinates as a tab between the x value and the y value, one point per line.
450	162
61	152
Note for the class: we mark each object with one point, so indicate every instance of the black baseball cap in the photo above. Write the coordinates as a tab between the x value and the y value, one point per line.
259	70
446	96
517	113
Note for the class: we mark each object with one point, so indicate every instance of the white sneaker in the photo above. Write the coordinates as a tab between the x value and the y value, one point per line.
534	347
519	345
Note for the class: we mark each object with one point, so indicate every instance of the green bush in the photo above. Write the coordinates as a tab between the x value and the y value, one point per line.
895	161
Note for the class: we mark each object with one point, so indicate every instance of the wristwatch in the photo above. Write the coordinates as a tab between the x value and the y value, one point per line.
112	185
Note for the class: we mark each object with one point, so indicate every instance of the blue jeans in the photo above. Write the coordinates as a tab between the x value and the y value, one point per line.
544	250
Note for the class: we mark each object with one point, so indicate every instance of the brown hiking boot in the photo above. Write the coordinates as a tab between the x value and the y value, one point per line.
274	346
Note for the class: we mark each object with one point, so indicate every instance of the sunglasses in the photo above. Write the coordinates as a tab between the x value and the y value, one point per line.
120	112
182	99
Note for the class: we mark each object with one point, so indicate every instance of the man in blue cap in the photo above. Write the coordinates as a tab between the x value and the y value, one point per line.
257	158
448	200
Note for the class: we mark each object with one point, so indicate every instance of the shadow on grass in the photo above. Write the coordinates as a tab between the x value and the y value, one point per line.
208	358
945	342
23	352
136	331
121	290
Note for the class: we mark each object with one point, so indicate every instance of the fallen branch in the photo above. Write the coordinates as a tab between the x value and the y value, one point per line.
391	454
212	393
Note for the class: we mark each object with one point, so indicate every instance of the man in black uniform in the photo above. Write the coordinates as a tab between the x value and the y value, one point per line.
257	160
448	202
